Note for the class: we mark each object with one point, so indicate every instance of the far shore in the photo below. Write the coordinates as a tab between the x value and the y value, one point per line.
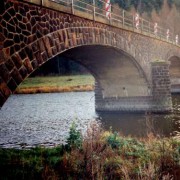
35	90
55	84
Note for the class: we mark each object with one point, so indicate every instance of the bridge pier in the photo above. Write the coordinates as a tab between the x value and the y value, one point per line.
161	87
159	101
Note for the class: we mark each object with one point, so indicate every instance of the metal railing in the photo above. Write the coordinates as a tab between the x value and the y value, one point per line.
95	9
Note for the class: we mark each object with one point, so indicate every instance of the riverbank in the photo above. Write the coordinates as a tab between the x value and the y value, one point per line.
99	155
76	83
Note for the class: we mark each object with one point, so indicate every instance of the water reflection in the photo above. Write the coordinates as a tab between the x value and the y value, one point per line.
140	124
137	124
45	119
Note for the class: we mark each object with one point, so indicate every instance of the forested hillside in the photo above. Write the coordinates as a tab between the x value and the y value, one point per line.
165	12
169	15
145	5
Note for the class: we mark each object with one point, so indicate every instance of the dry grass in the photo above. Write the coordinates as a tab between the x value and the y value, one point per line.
107	155
56	84
35	90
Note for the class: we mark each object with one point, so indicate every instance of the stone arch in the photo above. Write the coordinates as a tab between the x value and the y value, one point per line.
31	34
174	68
173	52
20	64
111	66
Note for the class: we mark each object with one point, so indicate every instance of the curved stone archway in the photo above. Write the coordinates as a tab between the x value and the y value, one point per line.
23	62
30	35
119	74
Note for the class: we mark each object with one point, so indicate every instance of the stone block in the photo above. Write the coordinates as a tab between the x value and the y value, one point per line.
48	46
41	45
17	60
44	56
60	35
5	91
23	71
39	58
34	64
54	50
27	65
4	73
35	47
22	54
12	85
16	76
9	64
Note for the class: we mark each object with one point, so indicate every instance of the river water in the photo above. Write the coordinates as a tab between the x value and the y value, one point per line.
44	119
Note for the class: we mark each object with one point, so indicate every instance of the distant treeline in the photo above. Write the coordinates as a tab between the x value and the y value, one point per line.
141	5
145	5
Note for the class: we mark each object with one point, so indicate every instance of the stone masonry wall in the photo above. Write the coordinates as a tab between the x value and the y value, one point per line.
30	35
161	87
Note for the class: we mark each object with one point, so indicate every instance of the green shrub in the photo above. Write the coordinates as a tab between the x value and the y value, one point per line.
75	138
113	140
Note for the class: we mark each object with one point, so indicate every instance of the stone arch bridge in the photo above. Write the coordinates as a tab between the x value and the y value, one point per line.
134	69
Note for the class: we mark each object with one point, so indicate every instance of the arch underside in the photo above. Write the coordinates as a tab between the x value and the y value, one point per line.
117	73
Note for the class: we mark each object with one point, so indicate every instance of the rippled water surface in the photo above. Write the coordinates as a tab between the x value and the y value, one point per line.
44	119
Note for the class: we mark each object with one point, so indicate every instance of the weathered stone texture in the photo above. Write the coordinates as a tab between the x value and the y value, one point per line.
161	86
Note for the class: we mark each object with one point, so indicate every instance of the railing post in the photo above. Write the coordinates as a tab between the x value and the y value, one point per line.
94	10
123	18
110	19
142	25
133	23
160	34
72	6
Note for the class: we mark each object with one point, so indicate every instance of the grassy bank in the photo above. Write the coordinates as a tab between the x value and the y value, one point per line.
99	155
56	84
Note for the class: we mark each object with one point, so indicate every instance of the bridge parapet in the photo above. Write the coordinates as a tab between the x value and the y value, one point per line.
95	10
